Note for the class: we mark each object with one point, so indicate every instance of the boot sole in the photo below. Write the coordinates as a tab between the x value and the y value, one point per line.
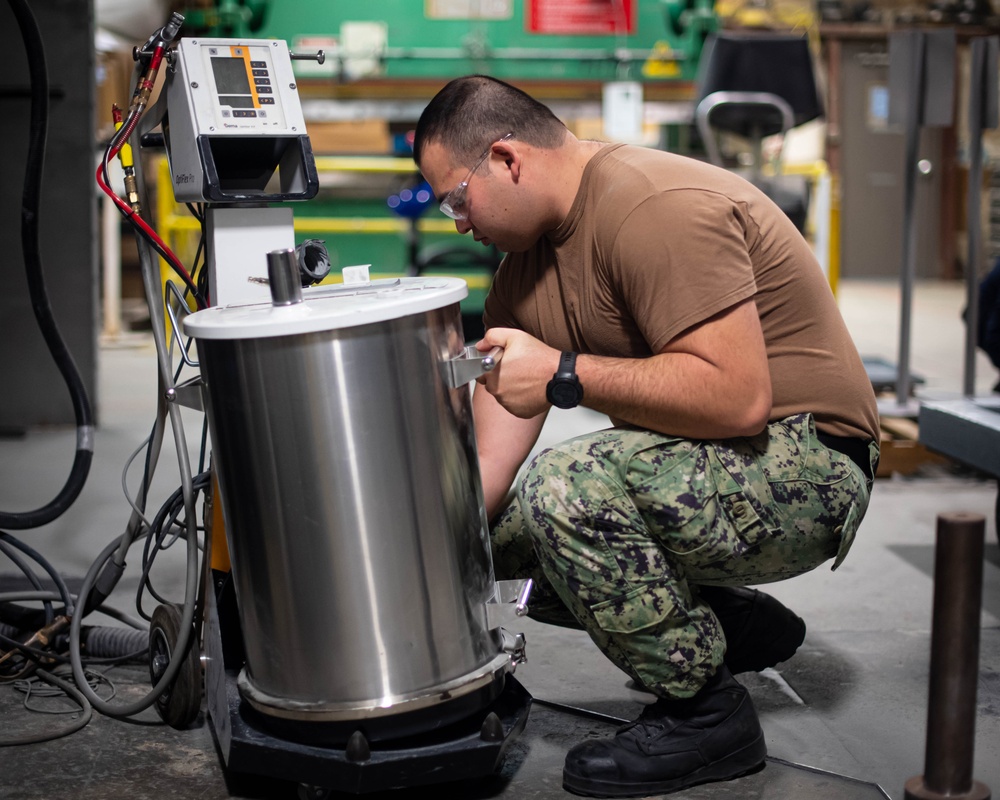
743	762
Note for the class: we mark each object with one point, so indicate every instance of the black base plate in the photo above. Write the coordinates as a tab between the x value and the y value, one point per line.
473	747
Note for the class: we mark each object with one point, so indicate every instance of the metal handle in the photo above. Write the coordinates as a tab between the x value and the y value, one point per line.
470	365
319	56
175	328
522	599
510	595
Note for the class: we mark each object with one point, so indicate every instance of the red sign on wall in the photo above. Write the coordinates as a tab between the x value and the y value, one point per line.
589	17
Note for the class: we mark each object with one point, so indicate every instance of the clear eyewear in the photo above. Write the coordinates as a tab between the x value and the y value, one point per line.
453	204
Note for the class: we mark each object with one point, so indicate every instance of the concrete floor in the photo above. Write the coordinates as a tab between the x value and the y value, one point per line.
851	703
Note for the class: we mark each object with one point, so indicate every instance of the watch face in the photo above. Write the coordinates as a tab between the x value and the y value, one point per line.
564	393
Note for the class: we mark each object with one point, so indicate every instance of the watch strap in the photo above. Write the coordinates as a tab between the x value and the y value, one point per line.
567	365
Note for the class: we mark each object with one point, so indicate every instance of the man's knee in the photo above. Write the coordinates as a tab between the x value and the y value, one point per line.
563	482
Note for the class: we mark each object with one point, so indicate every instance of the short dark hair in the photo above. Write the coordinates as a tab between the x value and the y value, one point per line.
470	112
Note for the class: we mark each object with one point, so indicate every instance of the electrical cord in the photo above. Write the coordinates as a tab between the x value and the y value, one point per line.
194	585
200	266
33	579
79	724
138	504
168	513
106	570
103	645
137	522
31	687
32	655
57	579
114	613
158	532
186	625
102	642
31	201
30	208
137	222
159	42
151	445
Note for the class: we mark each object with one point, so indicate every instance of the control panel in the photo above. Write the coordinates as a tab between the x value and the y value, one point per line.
242	86
234	128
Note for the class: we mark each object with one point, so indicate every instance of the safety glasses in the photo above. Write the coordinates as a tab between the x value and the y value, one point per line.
454	203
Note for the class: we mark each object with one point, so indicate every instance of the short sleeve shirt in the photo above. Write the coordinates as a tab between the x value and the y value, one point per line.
656	243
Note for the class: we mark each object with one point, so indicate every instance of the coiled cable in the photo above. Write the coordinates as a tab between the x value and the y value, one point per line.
30	204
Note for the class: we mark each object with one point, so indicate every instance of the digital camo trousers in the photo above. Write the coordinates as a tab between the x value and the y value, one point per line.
619	528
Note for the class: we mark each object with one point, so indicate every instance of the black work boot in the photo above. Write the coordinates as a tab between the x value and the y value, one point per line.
713	736
760	631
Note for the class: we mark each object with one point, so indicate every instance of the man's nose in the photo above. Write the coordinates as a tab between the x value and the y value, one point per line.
462	226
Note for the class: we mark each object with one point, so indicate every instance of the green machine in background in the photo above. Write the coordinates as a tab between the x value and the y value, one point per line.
645	40
614	69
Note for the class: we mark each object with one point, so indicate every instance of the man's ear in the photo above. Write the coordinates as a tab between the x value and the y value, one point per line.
512	158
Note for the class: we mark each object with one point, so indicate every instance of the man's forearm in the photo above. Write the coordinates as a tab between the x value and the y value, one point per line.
503	442
678	394
710	382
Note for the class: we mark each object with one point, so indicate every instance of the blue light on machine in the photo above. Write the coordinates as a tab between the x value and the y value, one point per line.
413	202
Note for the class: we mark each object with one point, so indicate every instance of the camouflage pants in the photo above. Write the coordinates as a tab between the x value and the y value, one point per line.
619	528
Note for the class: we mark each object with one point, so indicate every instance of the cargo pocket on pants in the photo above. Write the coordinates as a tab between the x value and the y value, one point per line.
651	635
640	609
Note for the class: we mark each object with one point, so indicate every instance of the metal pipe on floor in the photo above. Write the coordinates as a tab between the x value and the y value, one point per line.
954	673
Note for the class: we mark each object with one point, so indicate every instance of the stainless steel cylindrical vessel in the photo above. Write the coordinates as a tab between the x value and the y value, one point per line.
352	500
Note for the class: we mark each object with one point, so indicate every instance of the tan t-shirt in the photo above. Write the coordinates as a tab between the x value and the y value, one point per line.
656	243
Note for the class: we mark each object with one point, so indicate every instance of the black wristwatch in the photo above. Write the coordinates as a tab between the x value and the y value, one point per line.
564	390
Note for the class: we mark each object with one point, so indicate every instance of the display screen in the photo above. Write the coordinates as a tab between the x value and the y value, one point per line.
236	101
231	76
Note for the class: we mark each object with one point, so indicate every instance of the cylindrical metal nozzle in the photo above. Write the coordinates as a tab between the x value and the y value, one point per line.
283	277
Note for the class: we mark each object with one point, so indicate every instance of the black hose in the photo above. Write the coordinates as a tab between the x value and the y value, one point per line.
36	283
112	642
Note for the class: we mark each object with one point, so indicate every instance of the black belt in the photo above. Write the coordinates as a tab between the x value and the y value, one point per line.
854	448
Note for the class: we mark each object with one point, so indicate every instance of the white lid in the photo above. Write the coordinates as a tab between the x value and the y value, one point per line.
328	308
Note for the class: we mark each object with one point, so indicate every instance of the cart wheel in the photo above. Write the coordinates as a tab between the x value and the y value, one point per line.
309	792
179	705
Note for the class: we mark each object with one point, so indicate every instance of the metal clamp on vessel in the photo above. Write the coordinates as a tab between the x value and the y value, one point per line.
514	645
512	595
470	365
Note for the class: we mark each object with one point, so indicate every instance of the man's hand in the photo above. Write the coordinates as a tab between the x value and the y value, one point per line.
518	382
